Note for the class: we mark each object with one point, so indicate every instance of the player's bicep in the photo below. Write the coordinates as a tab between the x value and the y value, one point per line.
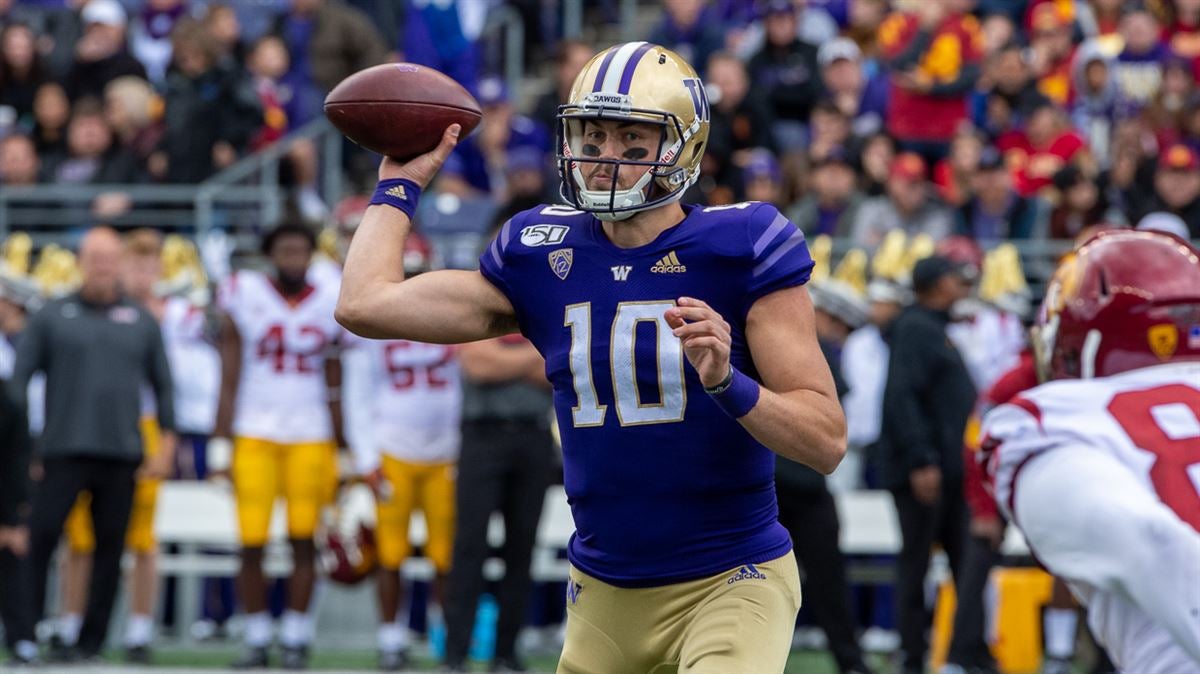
439	307
783	343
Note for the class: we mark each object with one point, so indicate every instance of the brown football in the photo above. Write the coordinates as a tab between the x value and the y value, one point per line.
400	109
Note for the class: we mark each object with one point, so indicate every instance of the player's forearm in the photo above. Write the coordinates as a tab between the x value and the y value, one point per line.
375	261
803	426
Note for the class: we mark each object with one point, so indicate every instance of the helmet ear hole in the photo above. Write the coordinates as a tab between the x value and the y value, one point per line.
696	152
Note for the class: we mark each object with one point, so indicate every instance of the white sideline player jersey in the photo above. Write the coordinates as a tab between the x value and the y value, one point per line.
1120	482
195	365
408	401
282	394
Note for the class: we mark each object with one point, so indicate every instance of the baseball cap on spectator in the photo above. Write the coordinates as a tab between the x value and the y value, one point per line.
907	166
928	271
885	290
762	164
20	291
778	7
525	159
842	48
1179	158
834	155
491	90
991	159
1165	222
106	12
841	301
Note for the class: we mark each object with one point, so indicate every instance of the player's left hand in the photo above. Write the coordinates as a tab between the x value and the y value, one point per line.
706	338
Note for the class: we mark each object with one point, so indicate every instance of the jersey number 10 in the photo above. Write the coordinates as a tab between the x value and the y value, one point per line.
669	362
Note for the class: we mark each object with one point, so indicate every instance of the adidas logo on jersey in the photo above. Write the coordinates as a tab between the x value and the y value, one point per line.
669	264
747	572
398	192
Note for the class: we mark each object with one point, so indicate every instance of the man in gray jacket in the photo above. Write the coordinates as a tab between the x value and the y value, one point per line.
98	350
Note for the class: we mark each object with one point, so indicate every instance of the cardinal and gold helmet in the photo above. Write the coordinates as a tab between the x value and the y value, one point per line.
634	82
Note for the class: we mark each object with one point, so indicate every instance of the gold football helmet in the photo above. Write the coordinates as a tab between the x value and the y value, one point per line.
634	82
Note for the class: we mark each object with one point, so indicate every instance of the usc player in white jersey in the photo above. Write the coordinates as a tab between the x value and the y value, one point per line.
404	418
278	426
1101	468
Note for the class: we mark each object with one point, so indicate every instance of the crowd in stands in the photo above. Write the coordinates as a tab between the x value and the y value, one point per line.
994	120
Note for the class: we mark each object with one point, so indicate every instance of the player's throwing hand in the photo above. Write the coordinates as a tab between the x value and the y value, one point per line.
421	169
706	339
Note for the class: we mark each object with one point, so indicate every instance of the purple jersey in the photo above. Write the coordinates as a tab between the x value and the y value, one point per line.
664	486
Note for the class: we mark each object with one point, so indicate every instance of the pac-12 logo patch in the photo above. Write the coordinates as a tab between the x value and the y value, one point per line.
560	262
544	235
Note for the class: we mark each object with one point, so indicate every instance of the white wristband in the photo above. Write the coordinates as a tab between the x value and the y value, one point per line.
219	454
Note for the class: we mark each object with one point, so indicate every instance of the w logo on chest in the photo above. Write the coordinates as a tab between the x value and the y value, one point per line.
621	272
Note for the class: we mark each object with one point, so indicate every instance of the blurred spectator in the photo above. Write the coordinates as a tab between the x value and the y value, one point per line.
1080	203
222	23
998	32
100	54
1045	145
444	35
96	348
1009	92
150	35
741	118
569	59
866	16
865	367
17	296
829	128
328	41
267	63
1166	114
813	25
952	176
506	464
933	55
995	212
477	163
926	402
92	155
21	70
1095	104
832	201
19	161
51	112
908	205
786	68
1101	20
1051	49
861	98
1183	28
1138	68
806	507
526	176
211	110
134	113
1177	186
687	30
877	153
762	179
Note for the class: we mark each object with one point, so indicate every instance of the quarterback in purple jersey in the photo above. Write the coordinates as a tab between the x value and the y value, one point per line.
680	345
